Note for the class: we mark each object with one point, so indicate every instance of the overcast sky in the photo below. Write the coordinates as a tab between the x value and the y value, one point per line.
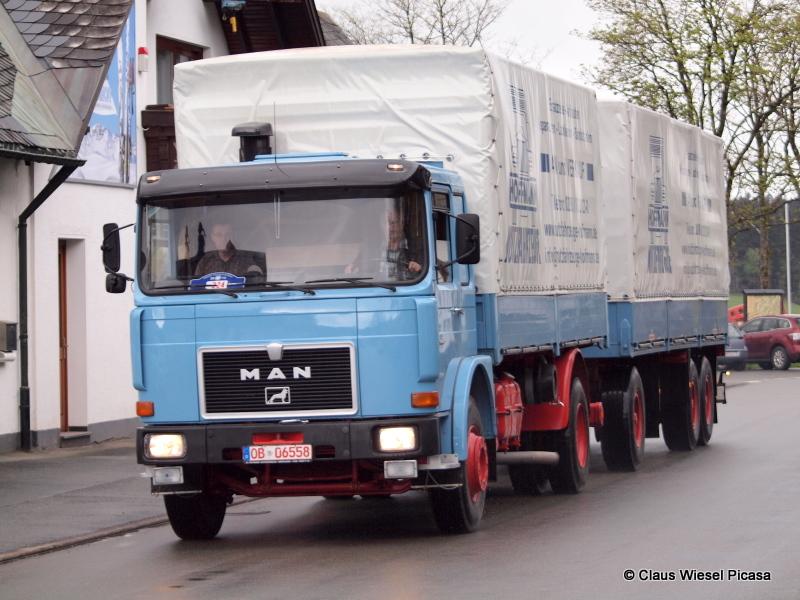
543	29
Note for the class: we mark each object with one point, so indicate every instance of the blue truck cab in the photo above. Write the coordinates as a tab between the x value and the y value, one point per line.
306	325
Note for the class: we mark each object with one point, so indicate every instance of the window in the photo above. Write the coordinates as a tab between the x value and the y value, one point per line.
784	324
168	54
441	228
753	326
769	324
323	238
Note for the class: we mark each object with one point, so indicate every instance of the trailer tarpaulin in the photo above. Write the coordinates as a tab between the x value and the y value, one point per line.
524	143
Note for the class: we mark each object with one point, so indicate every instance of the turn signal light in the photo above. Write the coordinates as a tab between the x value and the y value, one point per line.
425	399
145	408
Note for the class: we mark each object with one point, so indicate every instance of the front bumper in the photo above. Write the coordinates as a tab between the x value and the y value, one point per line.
221	443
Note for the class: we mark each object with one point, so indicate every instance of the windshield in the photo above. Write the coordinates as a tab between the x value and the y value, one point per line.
278	238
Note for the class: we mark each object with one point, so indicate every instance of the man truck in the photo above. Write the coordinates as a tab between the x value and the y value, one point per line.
429	264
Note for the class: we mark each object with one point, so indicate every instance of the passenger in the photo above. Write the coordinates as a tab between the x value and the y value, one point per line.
401	260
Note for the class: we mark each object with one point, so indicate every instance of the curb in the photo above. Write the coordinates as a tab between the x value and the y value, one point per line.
88	538
80	540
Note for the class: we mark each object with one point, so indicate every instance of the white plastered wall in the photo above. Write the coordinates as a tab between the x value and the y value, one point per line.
99	360
98	357
14	196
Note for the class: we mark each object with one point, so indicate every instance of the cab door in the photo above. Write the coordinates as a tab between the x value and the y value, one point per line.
455	292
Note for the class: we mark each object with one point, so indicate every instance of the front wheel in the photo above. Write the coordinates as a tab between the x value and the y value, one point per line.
197	517
461	510
779	359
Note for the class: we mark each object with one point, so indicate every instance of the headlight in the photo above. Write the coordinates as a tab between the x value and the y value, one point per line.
164	445
397	439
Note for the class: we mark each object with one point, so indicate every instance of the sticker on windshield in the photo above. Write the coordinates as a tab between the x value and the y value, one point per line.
217	281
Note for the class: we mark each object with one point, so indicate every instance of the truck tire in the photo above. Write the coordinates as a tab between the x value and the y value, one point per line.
572	445
624	427
779	358
529	480
197	517
680	409
461	510
707	402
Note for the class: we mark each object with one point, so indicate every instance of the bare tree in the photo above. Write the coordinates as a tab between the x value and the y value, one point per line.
457	22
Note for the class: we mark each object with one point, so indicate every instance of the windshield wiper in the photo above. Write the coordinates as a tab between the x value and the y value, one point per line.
277	285
356	280
225	291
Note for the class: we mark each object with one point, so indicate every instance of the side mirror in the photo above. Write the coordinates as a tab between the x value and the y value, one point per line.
468	239
116	283
110	248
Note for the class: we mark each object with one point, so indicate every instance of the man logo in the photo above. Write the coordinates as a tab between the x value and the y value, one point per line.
277	395
244	374
275	373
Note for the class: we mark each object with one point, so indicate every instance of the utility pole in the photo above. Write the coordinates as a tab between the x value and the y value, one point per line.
788	258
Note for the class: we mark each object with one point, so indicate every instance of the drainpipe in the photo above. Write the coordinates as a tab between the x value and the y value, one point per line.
24	390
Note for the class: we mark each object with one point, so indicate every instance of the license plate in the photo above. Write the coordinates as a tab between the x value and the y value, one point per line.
277	453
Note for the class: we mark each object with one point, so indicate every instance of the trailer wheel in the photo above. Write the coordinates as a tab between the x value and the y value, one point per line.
572	445
707	402
197	517
530	480
680	410
461	510
623	436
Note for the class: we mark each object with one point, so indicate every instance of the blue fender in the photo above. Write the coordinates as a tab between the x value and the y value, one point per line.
458	382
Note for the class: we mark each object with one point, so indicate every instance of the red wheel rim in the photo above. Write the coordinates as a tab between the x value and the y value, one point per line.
638	420
581	437
477	464
709	401
694	402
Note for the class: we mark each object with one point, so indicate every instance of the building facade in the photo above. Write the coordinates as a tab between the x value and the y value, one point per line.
79	366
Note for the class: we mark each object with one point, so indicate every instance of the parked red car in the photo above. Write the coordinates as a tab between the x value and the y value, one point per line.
773	341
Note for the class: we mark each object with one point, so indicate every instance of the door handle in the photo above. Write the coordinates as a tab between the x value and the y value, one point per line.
457	310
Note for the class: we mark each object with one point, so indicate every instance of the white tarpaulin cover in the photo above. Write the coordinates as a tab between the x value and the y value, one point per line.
524	143
664	206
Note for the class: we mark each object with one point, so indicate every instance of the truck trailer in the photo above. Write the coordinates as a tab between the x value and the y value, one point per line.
386	269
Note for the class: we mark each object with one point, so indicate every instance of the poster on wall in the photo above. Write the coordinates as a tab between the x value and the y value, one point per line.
109	147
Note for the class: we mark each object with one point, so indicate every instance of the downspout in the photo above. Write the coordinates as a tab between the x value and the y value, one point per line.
24	389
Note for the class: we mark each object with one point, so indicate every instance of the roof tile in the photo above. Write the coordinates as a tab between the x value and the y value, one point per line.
64	34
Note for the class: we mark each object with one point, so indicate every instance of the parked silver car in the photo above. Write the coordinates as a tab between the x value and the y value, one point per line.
735	351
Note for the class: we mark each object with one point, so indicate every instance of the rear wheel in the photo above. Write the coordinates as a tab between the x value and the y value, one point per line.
197	517
461	510
623	434
528	479
680	409
707	402
779	358
572	445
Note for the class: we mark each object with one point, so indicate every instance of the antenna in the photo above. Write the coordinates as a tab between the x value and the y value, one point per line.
275	127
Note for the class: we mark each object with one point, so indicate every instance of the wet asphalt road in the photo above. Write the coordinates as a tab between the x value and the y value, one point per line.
730	506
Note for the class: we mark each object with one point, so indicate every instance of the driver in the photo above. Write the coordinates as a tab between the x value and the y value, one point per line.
227	258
